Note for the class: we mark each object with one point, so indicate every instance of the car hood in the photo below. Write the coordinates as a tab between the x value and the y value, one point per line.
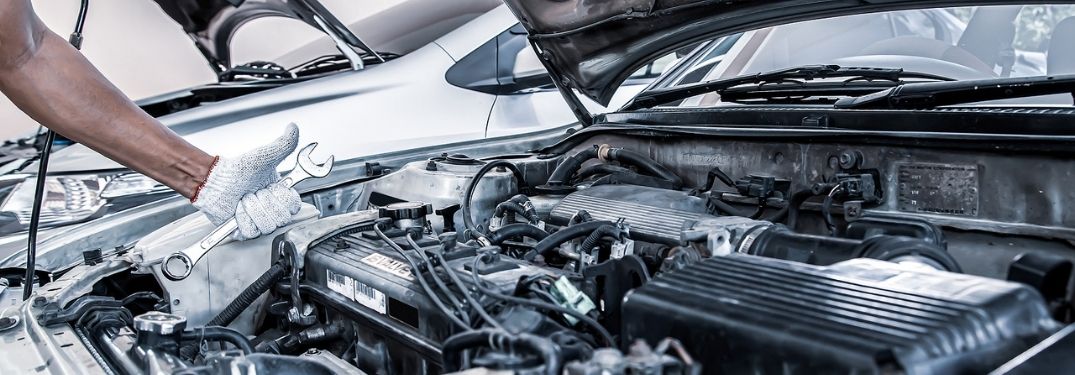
592	46
212	23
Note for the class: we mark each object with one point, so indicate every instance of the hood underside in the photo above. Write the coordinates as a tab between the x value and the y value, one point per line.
594	45
212	23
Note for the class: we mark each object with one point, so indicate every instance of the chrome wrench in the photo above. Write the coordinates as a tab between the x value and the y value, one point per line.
179	265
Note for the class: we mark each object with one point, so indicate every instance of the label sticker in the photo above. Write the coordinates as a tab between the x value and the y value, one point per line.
357	291
371	298
947	189
389	265
340	284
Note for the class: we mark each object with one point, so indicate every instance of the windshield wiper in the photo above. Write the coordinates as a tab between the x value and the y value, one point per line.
936	94
652	98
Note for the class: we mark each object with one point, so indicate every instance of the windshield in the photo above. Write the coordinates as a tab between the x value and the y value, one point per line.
960	43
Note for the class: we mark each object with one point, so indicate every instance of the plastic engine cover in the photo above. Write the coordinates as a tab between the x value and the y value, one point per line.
747	314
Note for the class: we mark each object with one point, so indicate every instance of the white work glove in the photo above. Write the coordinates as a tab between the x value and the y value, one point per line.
245	188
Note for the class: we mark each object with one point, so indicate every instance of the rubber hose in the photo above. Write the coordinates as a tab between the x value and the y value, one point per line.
796	200
464	206
547	245
516	208
644	163
455	345
728	209
563	172
515	230
249	295
591	241
218	333
598	169
580	216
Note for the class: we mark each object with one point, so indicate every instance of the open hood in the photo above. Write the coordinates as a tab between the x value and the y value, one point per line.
593	45
212	23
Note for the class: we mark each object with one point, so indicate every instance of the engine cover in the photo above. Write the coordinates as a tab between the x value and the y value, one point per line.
751	314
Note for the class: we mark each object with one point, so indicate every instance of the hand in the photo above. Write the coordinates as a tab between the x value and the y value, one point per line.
245	188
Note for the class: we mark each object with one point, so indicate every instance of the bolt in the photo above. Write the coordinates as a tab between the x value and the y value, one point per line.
312	351
175	302
40	301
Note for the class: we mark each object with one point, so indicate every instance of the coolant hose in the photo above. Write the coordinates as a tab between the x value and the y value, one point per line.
217	333
642	162
249	295
515	230
563	172
455	346
550	243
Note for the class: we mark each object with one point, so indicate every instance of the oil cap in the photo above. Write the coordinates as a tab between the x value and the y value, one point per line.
406	210
163	324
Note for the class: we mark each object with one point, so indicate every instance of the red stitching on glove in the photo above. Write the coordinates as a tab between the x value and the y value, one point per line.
198	189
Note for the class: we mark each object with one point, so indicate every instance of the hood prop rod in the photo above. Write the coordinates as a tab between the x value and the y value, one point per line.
42	169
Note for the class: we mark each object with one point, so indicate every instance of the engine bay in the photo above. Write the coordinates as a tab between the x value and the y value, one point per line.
614	254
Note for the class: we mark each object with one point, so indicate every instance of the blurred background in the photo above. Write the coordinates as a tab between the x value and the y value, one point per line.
145	53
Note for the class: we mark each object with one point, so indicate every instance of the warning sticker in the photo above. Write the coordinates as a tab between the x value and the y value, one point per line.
358	292
947	189
389	265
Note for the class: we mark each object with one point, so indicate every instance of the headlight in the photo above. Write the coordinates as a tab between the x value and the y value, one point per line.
74	198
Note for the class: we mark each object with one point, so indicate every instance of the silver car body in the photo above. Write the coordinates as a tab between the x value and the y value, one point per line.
351	115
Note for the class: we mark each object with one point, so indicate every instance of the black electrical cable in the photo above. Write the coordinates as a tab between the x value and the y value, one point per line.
456	304
42	169
826	208
472	300
605	335
421	280
464	207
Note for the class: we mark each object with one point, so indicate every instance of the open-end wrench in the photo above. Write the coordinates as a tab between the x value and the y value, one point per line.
178	265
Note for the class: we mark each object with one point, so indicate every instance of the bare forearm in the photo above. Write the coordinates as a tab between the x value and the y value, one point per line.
59	88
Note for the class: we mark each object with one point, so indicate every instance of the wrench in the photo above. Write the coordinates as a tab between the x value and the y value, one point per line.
178	265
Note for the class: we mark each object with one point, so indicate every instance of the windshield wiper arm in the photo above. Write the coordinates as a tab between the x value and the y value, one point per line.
652	98
937	94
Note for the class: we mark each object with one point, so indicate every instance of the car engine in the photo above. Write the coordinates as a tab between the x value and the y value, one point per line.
596	261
